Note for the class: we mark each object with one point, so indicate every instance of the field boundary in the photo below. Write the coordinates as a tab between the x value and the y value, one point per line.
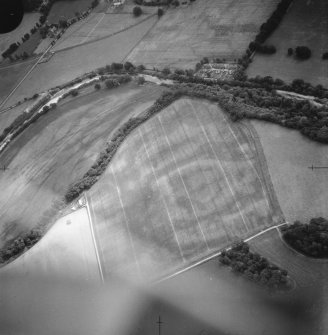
94	239
107	36
263	166
216	254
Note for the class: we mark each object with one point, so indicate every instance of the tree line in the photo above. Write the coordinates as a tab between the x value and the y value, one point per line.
254	267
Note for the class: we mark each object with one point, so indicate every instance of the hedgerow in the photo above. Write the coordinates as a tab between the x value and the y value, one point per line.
255	267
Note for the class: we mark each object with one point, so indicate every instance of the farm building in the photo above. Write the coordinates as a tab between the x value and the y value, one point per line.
118	3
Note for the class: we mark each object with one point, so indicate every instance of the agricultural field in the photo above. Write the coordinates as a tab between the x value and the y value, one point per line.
301	192
69	64
10	76
186	34
65	252
305	271
184	185
306	23
62	10
29	21
58	149
97	26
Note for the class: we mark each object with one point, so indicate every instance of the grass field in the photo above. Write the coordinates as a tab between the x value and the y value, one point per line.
29	21
306	23
67	9
181	187
302	193
210	28
97	25
30	45
305	271
69	64
66	252
10	76
58	148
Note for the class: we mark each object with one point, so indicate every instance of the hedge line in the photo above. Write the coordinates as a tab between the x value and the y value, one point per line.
98	168
255	267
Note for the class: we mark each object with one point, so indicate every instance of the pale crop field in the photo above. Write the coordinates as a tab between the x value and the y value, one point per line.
181	187
209	28
58	149
65	252
301	192
306	23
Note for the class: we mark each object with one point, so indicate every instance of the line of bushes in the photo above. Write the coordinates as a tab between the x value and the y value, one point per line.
309	239
266	30
96	170
20	245
255	267
20	119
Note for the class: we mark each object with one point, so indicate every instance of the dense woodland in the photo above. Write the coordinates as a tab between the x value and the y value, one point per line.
254	267
309	239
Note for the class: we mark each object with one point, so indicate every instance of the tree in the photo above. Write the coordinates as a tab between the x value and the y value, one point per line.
137	11
302	52
166	71
128	66
97	86
141	80
63	24
290	51
160	12
325	56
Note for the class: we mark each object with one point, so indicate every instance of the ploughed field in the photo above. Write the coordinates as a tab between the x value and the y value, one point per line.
209	28
182	186
58	149
306	23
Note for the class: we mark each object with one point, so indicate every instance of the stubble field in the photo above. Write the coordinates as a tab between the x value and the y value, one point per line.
306	23
58	149
181	187
209	28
